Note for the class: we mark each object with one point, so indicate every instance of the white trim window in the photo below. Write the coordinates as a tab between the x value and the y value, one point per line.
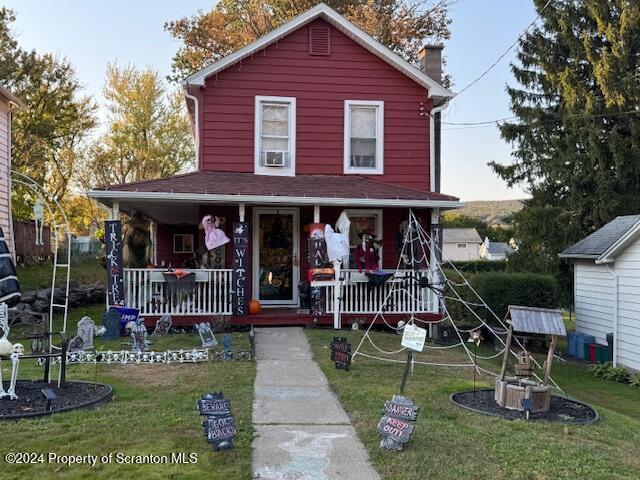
275	135
183	243
363	136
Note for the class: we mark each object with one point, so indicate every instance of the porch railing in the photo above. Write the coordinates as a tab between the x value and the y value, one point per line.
148	290
397	295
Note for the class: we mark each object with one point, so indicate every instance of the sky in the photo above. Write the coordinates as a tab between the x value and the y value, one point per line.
92	34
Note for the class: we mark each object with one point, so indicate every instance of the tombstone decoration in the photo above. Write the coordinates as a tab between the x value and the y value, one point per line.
76	344
111	321
139	337
240	267
226	343
113	249
86	330
341	352
395	426
163	325
219	426
206	335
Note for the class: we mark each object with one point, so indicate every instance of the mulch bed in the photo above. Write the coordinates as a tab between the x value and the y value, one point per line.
562	409
32	403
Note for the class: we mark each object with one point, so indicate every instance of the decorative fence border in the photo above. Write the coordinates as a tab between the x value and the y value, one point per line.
124	357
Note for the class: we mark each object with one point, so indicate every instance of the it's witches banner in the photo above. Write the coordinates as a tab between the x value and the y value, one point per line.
113	248
240	267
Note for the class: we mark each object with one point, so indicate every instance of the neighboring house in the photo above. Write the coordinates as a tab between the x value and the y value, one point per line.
8	102
495	250
312	119
607	287
461	244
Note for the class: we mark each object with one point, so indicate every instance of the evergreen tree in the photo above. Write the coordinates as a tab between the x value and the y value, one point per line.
576	142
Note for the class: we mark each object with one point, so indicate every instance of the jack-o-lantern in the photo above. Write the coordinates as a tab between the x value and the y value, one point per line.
254	307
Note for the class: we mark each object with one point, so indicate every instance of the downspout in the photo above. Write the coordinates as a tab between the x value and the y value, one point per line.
615	316
196	122
434	160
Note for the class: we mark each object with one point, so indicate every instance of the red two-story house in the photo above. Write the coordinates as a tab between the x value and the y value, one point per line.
314	119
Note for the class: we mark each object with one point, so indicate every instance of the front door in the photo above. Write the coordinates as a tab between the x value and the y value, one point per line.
276	237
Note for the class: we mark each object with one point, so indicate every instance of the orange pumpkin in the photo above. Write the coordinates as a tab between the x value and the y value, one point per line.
254	307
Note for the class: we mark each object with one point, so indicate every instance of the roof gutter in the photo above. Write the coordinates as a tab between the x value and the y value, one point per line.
119	195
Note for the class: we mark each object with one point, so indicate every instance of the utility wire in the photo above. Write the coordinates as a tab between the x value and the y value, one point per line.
504	54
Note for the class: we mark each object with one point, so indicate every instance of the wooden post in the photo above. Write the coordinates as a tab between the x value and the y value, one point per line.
316	214
405	374
507	349
547	364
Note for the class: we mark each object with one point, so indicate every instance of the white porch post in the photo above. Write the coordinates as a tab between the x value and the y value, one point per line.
115	211
337	289
241	211
433	266
316	214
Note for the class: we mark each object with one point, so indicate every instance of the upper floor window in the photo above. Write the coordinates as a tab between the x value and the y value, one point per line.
363	136
275	135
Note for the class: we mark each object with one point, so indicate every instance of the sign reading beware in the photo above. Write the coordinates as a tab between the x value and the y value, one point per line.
413	337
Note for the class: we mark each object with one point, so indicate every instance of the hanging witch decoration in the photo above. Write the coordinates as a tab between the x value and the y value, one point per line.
137	242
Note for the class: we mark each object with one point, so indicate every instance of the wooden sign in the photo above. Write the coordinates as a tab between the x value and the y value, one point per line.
413	337
214	406
341	352
400	409
240	267
394	426
115	272
220	426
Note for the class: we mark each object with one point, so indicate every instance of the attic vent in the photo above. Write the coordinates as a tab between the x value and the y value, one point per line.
319	41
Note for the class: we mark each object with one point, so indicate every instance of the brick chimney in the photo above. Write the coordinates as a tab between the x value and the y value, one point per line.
431	61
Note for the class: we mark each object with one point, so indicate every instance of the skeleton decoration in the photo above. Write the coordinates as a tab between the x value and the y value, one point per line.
38	217
14	352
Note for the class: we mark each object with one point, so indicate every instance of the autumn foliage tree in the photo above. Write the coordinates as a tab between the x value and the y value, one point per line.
402	25
148	134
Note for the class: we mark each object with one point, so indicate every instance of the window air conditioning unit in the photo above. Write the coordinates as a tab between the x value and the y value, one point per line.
274	158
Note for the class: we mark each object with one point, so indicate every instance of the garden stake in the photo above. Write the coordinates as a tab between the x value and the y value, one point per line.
406	370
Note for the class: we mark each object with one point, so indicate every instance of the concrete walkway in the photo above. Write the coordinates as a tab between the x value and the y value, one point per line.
302	430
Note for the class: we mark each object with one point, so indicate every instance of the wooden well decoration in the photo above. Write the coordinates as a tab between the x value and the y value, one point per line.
511	391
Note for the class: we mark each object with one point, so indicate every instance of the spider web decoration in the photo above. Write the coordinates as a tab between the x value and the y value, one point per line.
417	244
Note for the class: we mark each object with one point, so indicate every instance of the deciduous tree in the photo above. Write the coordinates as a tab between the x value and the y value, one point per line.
402	25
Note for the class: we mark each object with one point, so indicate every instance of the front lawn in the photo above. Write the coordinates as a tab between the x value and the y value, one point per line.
452	443
153	411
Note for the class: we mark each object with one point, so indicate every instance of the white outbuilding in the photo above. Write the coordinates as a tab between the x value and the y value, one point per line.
607	287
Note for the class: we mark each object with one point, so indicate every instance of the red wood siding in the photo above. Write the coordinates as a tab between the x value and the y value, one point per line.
320	85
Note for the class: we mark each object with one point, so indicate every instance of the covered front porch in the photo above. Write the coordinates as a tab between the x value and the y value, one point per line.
275	264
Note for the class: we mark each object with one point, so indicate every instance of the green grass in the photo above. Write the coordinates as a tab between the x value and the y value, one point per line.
84	271
452	443
152	412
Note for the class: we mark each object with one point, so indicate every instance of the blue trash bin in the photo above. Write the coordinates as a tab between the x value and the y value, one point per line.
581	340
571	343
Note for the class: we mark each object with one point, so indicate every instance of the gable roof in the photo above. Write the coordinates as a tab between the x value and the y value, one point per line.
603	244
455	235
434	88
10	96
536	320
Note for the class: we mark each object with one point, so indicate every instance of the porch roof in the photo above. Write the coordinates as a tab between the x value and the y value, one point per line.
229	187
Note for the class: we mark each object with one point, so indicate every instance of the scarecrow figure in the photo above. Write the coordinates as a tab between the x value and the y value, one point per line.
137	242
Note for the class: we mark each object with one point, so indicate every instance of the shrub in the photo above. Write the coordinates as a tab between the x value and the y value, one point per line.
607	371
499	290
635	380
477	266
